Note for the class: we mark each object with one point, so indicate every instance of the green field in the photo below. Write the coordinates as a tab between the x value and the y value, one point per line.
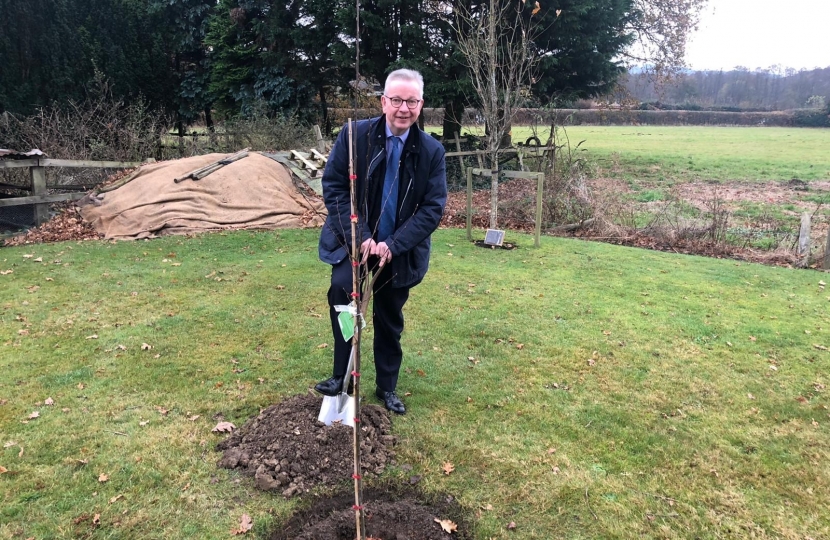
694	153
580	390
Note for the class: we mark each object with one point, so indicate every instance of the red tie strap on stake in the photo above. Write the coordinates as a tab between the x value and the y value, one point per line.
352	177
354	295
353	217
355	374
356	476
356	507
357	420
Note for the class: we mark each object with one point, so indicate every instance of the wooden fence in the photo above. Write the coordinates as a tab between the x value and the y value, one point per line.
37	182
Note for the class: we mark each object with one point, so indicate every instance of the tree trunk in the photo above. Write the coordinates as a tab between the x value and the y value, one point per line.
209	119
494	190
453	113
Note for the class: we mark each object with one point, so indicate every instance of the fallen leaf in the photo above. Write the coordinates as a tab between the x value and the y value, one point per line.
93	336
322	345
420	372
819	347
144	423
117	497
97	519
245	525
752	338
146	347
3	469
511	525
774	368
520	346
447	525
103	477
224	426
121	347
49	401
81	386
10	444
551	450
162	411
194	418
448	468
35	414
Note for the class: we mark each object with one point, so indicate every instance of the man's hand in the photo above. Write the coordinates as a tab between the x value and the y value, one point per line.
367	248
382	252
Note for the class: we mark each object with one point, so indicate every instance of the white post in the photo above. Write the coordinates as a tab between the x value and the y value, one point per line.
804	241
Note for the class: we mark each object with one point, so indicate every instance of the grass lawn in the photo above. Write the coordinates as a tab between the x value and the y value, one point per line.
581	390
673	154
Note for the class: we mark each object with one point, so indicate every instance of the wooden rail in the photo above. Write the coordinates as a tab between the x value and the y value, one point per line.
37	181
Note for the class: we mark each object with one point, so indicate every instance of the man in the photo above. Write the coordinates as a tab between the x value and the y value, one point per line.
401	190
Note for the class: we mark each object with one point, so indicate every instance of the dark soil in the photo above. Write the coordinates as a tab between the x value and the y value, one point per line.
505	245
390	514
287	450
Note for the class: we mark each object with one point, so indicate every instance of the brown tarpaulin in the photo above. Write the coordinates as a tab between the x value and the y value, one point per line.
254	192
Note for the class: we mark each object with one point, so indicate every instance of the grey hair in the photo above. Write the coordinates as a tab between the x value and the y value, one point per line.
405	75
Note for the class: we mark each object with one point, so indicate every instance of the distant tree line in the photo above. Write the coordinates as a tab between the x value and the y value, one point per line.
193	59
770	89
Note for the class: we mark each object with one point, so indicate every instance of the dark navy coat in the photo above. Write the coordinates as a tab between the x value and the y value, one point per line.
422	194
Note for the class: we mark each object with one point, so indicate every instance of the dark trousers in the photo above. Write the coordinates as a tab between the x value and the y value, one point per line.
387	319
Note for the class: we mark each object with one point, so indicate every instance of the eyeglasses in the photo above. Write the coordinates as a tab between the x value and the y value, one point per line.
397	102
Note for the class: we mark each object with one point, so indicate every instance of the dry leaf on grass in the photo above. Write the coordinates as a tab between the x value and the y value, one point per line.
447	525
448	468
3	469
49	401
245	525
34	415
511	525
224	426
103	477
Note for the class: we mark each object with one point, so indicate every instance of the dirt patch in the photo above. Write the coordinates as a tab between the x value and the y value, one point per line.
287	450
792	197
390	513
733	193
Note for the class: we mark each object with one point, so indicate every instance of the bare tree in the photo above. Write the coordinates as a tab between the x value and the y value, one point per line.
496	39
662	29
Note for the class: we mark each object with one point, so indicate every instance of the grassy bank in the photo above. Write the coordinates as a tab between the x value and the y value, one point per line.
580	390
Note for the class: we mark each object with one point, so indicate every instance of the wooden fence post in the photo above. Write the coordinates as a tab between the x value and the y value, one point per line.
470	205
826	264
540	189
38	178
804	241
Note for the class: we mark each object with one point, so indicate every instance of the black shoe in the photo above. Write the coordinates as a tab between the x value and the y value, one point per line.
333	386
391	401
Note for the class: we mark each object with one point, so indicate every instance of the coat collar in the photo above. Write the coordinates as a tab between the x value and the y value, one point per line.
413	140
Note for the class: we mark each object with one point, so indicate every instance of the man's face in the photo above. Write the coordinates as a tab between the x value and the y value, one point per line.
400	118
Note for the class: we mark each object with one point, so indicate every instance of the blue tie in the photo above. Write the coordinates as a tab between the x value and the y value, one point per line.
388	211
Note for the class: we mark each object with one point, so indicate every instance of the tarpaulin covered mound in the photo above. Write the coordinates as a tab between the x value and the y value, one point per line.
255	192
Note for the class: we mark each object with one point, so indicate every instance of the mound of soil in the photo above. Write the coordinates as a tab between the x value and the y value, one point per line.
390	514
288	450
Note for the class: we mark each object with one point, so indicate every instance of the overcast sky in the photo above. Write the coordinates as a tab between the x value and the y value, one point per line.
761	33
